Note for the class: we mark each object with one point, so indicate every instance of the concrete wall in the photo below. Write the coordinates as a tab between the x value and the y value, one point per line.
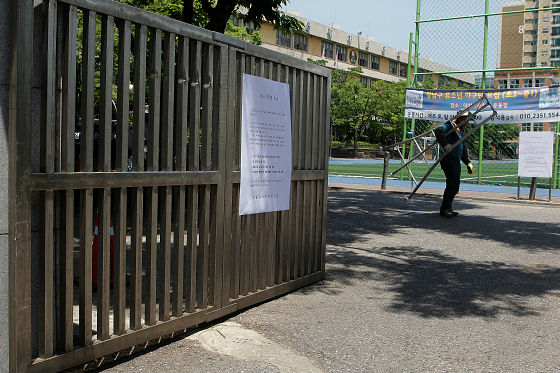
5	33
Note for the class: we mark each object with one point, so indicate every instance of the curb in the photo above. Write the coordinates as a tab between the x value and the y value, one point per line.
352	187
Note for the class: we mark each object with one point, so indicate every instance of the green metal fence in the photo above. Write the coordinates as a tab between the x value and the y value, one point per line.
487	44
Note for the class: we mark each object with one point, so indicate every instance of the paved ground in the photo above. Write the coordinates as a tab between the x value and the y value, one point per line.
405	291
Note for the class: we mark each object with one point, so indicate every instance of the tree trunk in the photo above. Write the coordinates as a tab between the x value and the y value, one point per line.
219	15
356	144
188	11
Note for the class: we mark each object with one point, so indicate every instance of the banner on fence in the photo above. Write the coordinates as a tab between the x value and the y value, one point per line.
517	105
266	146
536	153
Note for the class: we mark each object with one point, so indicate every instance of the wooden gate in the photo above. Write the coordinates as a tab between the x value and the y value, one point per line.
137	150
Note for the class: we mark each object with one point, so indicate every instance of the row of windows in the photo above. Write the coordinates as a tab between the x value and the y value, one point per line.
293	41
537	127
367	60
527	82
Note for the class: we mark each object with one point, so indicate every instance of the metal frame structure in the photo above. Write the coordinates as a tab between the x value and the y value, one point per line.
182	254
412	81
478	107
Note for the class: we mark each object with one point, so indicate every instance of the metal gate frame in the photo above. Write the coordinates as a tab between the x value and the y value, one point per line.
231	262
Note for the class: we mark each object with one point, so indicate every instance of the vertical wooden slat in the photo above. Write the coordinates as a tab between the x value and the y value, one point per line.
290	252
228	69
193	165
262	233
245	260
47	151
326	139
321	138
168	97
314	124
207	285
86	164
299	207
65	321
19	202
237	272
254	264
104	164
181	119
219	288
121	164
202	257
138	166
235	245
308	185
153	165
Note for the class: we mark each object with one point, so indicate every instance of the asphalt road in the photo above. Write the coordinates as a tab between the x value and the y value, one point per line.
405	291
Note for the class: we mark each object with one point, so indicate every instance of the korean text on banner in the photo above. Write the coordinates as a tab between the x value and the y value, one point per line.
536	153
266	146
516	105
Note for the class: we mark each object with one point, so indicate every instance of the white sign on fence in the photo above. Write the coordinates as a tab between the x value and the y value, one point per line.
266	146
536	153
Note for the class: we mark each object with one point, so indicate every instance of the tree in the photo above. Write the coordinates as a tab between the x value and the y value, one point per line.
215	14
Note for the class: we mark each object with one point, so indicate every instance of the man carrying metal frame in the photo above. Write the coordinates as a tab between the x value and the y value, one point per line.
448	134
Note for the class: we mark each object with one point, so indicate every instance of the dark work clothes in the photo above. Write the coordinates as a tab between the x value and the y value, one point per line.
450	164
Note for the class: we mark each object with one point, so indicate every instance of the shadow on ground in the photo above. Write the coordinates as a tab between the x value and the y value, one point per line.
354	214
431	284
426	282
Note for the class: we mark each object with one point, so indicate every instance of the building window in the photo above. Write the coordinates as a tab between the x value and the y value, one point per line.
555	53
539	82
514	83
527	82
545	41
544	63
327	49
546	19
525	126
555	19
502	83
555	63
364	81
403	70
555	31
545	31
283	39
342	53
393	68
544	53
363	59
444	81
375	62
421	78
300	42
537	127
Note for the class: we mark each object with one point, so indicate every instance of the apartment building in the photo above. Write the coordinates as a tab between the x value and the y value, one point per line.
343	50
529	40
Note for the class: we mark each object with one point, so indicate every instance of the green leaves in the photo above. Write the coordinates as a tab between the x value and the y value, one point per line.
376	112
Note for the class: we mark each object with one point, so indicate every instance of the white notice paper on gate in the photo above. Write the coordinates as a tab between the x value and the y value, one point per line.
536	153
266	146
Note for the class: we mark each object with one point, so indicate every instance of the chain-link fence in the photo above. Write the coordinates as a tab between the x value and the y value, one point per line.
488	44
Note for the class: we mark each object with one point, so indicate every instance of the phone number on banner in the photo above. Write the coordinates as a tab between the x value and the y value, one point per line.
508	116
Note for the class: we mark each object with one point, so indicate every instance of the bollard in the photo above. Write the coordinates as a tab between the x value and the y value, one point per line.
385	169
533	189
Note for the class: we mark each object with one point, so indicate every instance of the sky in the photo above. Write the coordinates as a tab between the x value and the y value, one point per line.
457	44
388	22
